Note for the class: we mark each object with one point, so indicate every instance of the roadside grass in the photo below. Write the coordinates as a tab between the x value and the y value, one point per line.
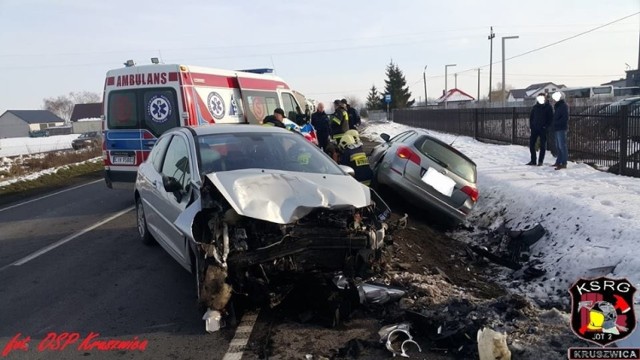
27	165
74	165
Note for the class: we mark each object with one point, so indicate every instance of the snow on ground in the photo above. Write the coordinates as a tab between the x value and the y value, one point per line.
592	218
41	173
29	145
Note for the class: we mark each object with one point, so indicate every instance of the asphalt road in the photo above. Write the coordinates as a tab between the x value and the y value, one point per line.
95	277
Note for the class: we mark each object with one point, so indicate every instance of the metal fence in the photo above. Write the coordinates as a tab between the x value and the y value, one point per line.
606	137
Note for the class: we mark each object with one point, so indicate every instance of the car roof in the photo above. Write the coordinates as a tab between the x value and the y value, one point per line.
234	128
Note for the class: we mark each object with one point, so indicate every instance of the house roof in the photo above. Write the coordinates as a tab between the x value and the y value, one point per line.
537	86
615	82
86	111
36	116
518	93
455	95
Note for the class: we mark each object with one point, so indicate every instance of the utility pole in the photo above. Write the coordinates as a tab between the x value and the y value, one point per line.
455	76
424	75
503	95
491	36
445	83
478	85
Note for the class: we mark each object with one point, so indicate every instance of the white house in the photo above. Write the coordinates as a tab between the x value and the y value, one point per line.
18	123
455	96
533	90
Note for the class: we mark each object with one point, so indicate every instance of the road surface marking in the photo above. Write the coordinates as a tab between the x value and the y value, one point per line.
46	196
241	337
58	243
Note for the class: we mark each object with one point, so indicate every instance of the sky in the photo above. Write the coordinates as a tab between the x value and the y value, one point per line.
325	49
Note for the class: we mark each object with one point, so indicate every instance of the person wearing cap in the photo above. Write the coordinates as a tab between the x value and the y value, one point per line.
339	121
354	118
352	154
540	119
560	125
276	119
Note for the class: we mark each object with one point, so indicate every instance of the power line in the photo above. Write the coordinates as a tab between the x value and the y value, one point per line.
553	43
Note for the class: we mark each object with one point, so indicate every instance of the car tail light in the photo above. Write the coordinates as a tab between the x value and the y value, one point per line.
105	157
472	192
404	152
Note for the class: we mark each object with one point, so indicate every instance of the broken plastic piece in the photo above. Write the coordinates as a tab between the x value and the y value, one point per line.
404	347
212	320
341	281
397	339
378	294
492	345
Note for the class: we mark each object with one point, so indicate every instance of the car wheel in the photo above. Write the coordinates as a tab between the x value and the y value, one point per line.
143	231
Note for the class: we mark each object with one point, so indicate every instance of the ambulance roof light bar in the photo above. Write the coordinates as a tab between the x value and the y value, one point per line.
258	71
129	63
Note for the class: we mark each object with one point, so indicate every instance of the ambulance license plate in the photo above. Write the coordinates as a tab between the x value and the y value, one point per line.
123	158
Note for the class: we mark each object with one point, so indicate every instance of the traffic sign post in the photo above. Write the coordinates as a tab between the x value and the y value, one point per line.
387	99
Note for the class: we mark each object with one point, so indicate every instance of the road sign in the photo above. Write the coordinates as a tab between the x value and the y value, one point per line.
387	98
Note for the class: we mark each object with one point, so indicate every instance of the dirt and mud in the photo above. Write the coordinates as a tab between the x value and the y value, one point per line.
450	295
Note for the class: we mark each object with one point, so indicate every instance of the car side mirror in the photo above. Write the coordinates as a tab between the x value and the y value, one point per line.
348	169
171	185
385	137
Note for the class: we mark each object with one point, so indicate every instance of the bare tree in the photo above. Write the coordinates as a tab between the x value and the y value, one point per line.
497	95
62	105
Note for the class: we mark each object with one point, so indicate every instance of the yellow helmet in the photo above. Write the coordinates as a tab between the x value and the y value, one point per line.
356	136
345	141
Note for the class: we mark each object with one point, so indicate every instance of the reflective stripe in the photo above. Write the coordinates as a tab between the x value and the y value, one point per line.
366	182
268	124
337	136
335	120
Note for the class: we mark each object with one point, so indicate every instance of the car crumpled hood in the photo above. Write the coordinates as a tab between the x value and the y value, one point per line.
284	197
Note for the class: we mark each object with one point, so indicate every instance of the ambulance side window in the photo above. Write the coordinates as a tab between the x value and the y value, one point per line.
289	106
122	110
260	104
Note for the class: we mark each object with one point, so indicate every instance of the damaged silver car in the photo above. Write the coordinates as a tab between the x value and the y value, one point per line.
247	208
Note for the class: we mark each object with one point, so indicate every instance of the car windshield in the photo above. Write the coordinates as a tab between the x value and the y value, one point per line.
276	151
448	159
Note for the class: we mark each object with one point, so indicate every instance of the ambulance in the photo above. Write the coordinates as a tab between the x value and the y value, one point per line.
142	102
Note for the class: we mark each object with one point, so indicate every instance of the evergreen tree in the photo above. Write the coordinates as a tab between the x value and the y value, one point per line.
373	99
396	85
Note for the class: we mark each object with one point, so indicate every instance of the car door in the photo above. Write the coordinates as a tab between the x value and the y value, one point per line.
177	165
150	186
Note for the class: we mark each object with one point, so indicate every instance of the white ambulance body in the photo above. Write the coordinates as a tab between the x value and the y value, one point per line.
142	102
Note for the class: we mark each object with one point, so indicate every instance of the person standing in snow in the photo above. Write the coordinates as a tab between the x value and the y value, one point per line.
539	120
560	125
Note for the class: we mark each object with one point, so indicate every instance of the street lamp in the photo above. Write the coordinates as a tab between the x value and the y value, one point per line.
445	82
424	75
504	96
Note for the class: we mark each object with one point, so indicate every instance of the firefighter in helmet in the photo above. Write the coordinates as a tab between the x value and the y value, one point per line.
352	154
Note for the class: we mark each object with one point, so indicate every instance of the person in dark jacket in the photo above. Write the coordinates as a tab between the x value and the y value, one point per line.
354	117
560	125
276	119
320	122
339	121
539	121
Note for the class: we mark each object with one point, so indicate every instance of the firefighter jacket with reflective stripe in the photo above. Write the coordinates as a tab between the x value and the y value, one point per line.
339	123
357	159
